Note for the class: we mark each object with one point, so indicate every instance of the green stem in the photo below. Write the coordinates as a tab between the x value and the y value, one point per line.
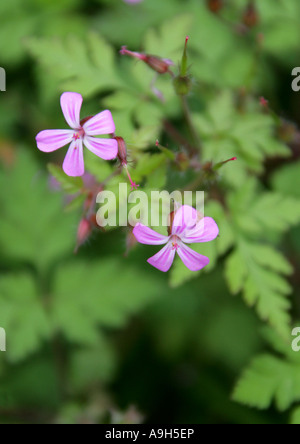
175	135
193	133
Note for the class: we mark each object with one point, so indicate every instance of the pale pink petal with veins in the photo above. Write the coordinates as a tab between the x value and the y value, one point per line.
163	260
146	235
73	164
191	259
100	124
51	140
71	106
185	219
204	231
105	148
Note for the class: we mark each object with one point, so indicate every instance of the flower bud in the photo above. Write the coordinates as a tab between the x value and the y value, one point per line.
220	164
251	17
264	102
182	82
215	5
122	150
83	233
182	85
158	64
161	66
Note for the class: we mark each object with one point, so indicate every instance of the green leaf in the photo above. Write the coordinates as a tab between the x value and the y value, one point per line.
168	42
84	66
24	19
280	35
87	296
144	137
22	316
249	136
147	164
144	16
276	212
92	365
32	226
69	184
257	270
157	180
256	212
269	378
100	169
287	180
295	417
235	272
76	203
28	388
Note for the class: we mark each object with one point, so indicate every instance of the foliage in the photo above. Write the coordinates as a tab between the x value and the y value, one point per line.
90	335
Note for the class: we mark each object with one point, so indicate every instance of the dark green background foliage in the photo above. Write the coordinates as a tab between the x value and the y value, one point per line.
99	337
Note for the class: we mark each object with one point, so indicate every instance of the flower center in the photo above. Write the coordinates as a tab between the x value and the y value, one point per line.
79	134
175	245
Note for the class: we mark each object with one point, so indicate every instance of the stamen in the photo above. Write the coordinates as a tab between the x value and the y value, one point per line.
79	134
175	245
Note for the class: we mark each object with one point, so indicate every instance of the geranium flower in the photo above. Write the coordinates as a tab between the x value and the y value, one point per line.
83	132
186	228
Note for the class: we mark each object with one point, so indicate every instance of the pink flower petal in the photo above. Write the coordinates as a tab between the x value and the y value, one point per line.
100	124
192	260
205	230
164	258
71	105
146	235
185	219
51	140
74	163
105	148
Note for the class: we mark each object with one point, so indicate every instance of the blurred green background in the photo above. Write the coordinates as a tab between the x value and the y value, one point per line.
98	337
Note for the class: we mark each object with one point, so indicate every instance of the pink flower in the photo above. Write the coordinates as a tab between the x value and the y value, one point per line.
82	133
186	228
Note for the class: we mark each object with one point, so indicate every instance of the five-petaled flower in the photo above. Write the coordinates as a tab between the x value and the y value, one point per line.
188	228
83	132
